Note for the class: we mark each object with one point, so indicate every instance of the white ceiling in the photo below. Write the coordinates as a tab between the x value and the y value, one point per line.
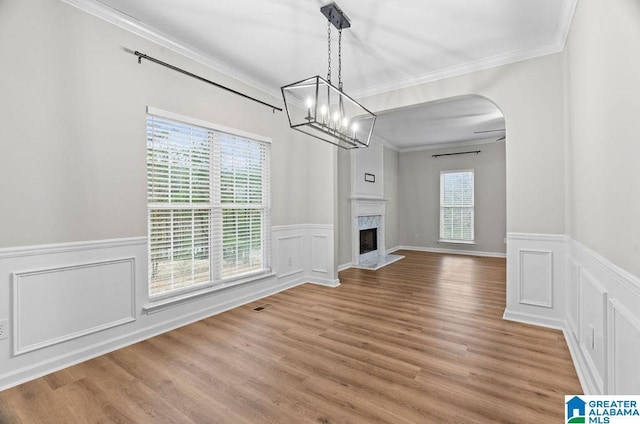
461	120
391	44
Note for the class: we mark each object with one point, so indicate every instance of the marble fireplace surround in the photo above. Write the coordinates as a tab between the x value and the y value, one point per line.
369	213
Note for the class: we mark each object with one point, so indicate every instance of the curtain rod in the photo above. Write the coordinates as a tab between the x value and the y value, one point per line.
182	71
459	153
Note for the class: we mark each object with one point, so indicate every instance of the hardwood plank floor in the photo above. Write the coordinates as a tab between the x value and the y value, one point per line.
419	341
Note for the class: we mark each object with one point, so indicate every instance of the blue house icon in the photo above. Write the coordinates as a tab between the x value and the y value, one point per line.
575	404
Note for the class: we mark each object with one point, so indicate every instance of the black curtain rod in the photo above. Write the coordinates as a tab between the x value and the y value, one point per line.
182	71
459	153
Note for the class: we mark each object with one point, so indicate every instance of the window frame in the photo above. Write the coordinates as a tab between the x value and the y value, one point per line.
161	300
441	239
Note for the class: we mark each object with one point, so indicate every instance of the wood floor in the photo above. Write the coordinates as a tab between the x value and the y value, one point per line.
419	341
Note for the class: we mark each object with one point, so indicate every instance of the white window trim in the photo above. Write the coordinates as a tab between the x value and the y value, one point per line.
473	215
205	124
163	301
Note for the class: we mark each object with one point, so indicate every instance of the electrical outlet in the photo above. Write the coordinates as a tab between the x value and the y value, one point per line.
4	329
289	261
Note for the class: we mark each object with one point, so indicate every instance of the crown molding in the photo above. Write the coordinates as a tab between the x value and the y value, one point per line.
566	19
457	70
131	24
557	46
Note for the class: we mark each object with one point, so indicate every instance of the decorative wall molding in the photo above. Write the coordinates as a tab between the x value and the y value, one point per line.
289	255
472	66
606	300
622	276
26	270
537	237
67	358
127	23
535	279
319	248
304	251
49	291
532	276
592	307
621	379
57	248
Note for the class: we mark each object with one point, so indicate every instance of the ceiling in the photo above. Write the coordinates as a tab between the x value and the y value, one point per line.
462	120
391	44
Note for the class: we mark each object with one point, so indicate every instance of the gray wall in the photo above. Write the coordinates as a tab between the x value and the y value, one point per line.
391	187
343	234
419	196
530	95
73	150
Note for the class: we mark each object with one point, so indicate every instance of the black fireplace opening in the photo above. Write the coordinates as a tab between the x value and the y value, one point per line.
368	240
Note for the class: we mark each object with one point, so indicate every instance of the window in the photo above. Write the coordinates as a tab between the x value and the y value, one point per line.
456	206
208	194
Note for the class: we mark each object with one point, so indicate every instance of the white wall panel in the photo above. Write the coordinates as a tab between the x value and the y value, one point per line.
536	278
592	300
289	259
606	349
306	252
58	304
624	350
319	249
573	317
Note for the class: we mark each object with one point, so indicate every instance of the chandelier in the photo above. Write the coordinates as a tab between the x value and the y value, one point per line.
321	110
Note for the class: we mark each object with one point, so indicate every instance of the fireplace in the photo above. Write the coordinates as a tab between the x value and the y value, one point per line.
368	240
367	234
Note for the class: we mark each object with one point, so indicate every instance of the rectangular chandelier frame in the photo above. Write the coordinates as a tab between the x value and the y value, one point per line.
317	108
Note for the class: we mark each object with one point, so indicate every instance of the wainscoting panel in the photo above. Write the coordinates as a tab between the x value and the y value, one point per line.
607	345
624	350
573	313
319	249
289	255
592	301
94	297
69	302
536	278
305	252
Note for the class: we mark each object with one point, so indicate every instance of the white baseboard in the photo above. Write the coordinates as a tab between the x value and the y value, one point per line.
345	266
451	251
321	282
531	319
589	386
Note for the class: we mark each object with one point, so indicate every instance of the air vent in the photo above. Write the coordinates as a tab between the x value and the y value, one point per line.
262	307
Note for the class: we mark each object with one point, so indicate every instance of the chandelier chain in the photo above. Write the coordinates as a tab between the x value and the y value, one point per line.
329	50
340	59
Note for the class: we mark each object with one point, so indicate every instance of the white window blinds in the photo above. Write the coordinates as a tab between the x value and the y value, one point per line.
208	205
456	206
